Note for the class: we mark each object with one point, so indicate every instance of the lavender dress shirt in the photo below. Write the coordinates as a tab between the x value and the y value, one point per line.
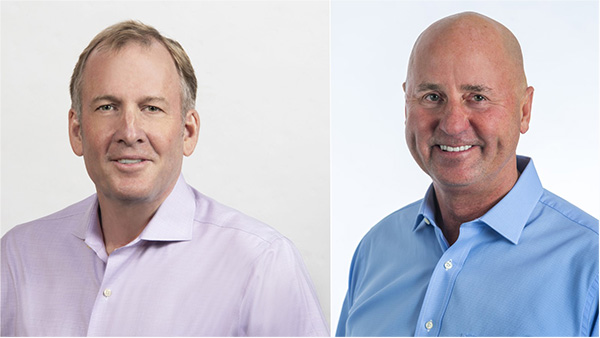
199	268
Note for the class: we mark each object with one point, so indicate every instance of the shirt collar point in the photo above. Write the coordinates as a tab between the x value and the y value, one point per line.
509	217
174	219
426	210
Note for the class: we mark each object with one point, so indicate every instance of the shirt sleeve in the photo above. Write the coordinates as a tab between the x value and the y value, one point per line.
341	328
280	299
589	324
7	312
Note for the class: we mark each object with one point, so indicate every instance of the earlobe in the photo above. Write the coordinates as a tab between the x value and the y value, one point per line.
190	132
75	133
526	110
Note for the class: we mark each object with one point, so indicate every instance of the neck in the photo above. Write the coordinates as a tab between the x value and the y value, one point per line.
122	223
458	205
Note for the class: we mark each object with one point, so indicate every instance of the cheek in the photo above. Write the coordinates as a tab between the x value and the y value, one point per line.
169	140
498	129
416	135
93	141
419	128
409	131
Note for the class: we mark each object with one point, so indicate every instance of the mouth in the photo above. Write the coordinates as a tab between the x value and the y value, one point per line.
129	161
451	149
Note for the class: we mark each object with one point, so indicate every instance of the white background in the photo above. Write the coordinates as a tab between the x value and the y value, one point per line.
373	173
263	100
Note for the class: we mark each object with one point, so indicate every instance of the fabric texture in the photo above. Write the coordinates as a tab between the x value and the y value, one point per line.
199	268
528	267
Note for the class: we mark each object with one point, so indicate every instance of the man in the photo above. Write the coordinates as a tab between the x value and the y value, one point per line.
147	254
488	251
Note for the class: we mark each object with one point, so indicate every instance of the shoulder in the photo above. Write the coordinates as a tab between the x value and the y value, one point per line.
564	230
245	238
388	236
395	224
568	214
65	220
232	222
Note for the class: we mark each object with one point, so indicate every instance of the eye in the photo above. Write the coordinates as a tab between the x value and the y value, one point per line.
479	98
106	107
153	109
432	97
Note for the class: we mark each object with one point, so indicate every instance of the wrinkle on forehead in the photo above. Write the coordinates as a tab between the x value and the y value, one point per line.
469	31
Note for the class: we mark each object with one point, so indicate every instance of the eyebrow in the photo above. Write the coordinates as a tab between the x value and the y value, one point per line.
105	98
150	99
475	88
467	87
147	99
427	86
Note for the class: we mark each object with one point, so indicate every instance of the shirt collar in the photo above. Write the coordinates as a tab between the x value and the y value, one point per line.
89	219
89	230
509	216
426	213
173	221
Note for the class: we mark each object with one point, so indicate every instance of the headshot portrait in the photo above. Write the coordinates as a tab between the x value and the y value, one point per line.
464	168
165	168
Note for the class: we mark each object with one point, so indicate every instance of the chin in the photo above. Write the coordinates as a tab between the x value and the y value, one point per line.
131	197
128	192
457	181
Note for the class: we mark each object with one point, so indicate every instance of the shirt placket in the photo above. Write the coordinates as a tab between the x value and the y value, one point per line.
442	282
109	294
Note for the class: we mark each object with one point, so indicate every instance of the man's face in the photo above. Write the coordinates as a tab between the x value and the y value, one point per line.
131	133
465	109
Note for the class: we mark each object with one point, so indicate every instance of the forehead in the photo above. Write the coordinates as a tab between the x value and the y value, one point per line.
153	53
458	68
461	55
131	69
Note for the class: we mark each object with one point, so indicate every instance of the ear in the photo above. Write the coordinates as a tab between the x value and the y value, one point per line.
75	133
526	109
405	111
191	129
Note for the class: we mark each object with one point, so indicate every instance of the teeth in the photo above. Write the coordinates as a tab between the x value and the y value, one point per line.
128	161
454	149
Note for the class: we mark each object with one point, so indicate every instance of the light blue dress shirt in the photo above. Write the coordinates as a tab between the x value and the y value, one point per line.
528	267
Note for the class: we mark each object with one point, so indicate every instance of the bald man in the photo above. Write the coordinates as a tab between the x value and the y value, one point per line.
488	251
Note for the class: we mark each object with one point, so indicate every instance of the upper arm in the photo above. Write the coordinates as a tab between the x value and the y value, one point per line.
280	299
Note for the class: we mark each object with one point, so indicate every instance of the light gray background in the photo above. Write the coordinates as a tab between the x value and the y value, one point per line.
373	173
263	100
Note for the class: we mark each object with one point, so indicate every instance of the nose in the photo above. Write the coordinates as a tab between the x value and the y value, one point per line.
455	119
129	129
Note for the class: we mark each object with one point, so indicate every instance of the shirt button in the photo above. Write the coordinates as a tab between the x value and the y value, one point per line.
429	325
448	265
107	293
427	221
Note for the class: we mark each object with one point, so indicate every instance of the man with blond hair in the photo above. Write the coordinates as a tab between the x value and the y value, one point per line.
148	255
488	251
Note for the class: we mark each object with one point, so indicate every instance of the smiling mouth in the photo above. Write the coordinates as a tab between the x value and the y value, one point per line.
454	149
129	161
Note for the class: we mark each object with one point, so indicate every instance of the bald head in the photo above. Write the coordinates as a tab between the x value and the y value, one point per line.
466	34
